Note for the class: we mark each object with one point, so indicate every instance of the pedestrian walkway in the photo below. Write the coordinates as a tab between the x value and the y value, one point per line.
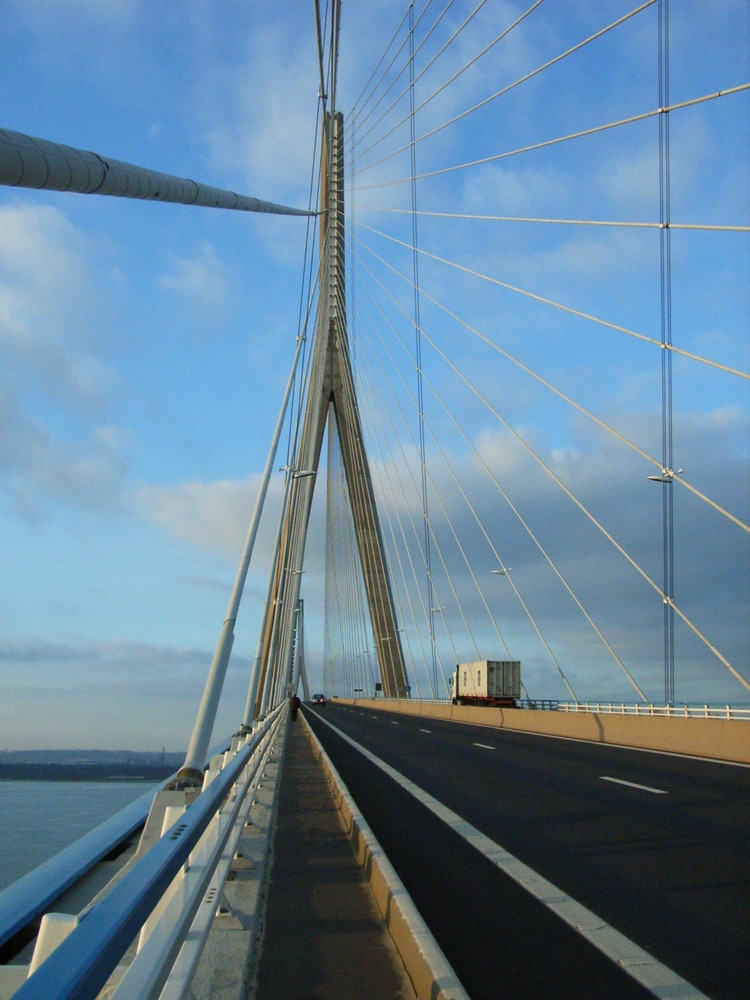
324	934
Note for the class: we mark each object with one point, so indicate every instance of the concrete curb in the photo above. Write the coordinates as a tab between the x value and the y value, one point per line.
716	739
429	969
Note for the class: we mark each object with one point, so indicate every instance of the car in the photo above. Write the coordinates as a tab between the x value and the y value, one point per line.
319	699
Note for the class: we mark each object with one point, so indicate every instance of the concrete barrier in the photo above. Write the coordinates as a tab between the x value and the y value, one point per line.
431	974
717	739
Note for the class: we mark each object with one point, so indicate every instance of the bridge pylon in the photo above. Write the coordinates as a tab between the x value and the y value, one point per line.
331	402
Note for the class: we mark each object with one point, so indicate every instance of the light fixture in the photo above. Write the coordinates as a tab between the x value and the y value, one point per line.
666	476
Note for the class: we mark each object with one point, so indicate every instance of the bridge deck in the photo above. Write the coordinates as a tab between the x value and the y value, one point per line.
324	935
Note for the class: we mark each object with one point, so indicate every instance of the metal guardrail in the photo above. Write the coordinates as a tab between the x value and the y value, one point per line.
83	962
664	711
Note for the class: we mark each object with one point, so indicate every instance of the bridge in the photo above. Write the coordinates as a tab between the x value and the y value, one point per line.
519	342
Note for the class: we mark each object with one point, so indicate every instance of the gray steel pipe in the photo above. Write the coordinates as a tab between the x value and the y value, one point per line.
191	771
49	166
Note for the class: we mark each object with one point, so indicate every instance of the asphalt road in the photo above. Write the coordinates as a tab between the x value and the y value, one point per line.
654	844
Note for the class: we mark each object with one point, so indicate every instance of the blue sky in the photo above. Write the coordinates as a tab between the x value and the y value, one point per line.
144	348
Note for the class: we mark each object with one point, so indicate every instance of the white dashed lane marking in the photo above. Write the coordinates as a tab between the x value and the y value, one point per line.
659	979
632	784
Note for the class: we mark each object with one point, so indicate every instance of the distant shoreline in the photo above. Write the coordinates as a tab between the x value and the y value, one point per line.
85	772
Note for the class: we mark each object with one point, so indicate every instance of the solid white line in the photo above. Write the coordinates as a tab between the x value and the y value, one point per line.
484	746
662	981
632	784
425	730
445	979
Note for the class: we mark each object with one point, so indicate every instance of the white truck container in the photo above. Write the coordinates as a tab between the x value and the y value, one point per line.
487	682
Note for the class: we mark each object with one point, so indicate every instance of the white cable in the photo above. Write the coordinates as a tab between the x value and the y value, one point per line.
513	508
516	83
612	223
558	392
453	78
558	139
641	572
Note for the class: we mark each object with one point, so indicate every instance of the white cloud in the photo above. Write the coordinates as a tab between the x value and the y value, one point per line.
132	693
628	178
55	389
89	655
46	300
38	467
211	582
199	279
612	483
42	256
266	136
582	257
215	515
503	190
210	515
88	378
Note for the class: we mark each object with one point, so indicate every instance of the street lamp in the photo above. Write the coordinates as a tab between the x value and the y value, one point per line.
667	475
298	473
387	638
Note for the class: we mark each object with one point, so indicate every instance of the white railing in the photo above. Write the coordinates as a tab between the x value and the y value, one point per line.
667	711
616	708
161	894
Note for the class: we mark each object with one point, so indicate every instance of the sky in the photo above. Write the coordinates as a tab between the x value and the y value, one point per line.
144	348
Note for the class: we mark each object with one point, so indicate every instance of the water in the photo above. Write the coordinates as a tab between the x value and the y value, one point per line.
39	818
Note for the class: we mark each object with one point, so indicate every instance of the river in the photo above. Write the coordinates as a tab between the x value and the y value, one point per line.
40	818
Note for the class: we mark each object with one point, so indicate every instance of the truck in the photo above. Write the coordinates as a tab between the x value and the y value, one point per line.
496	683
